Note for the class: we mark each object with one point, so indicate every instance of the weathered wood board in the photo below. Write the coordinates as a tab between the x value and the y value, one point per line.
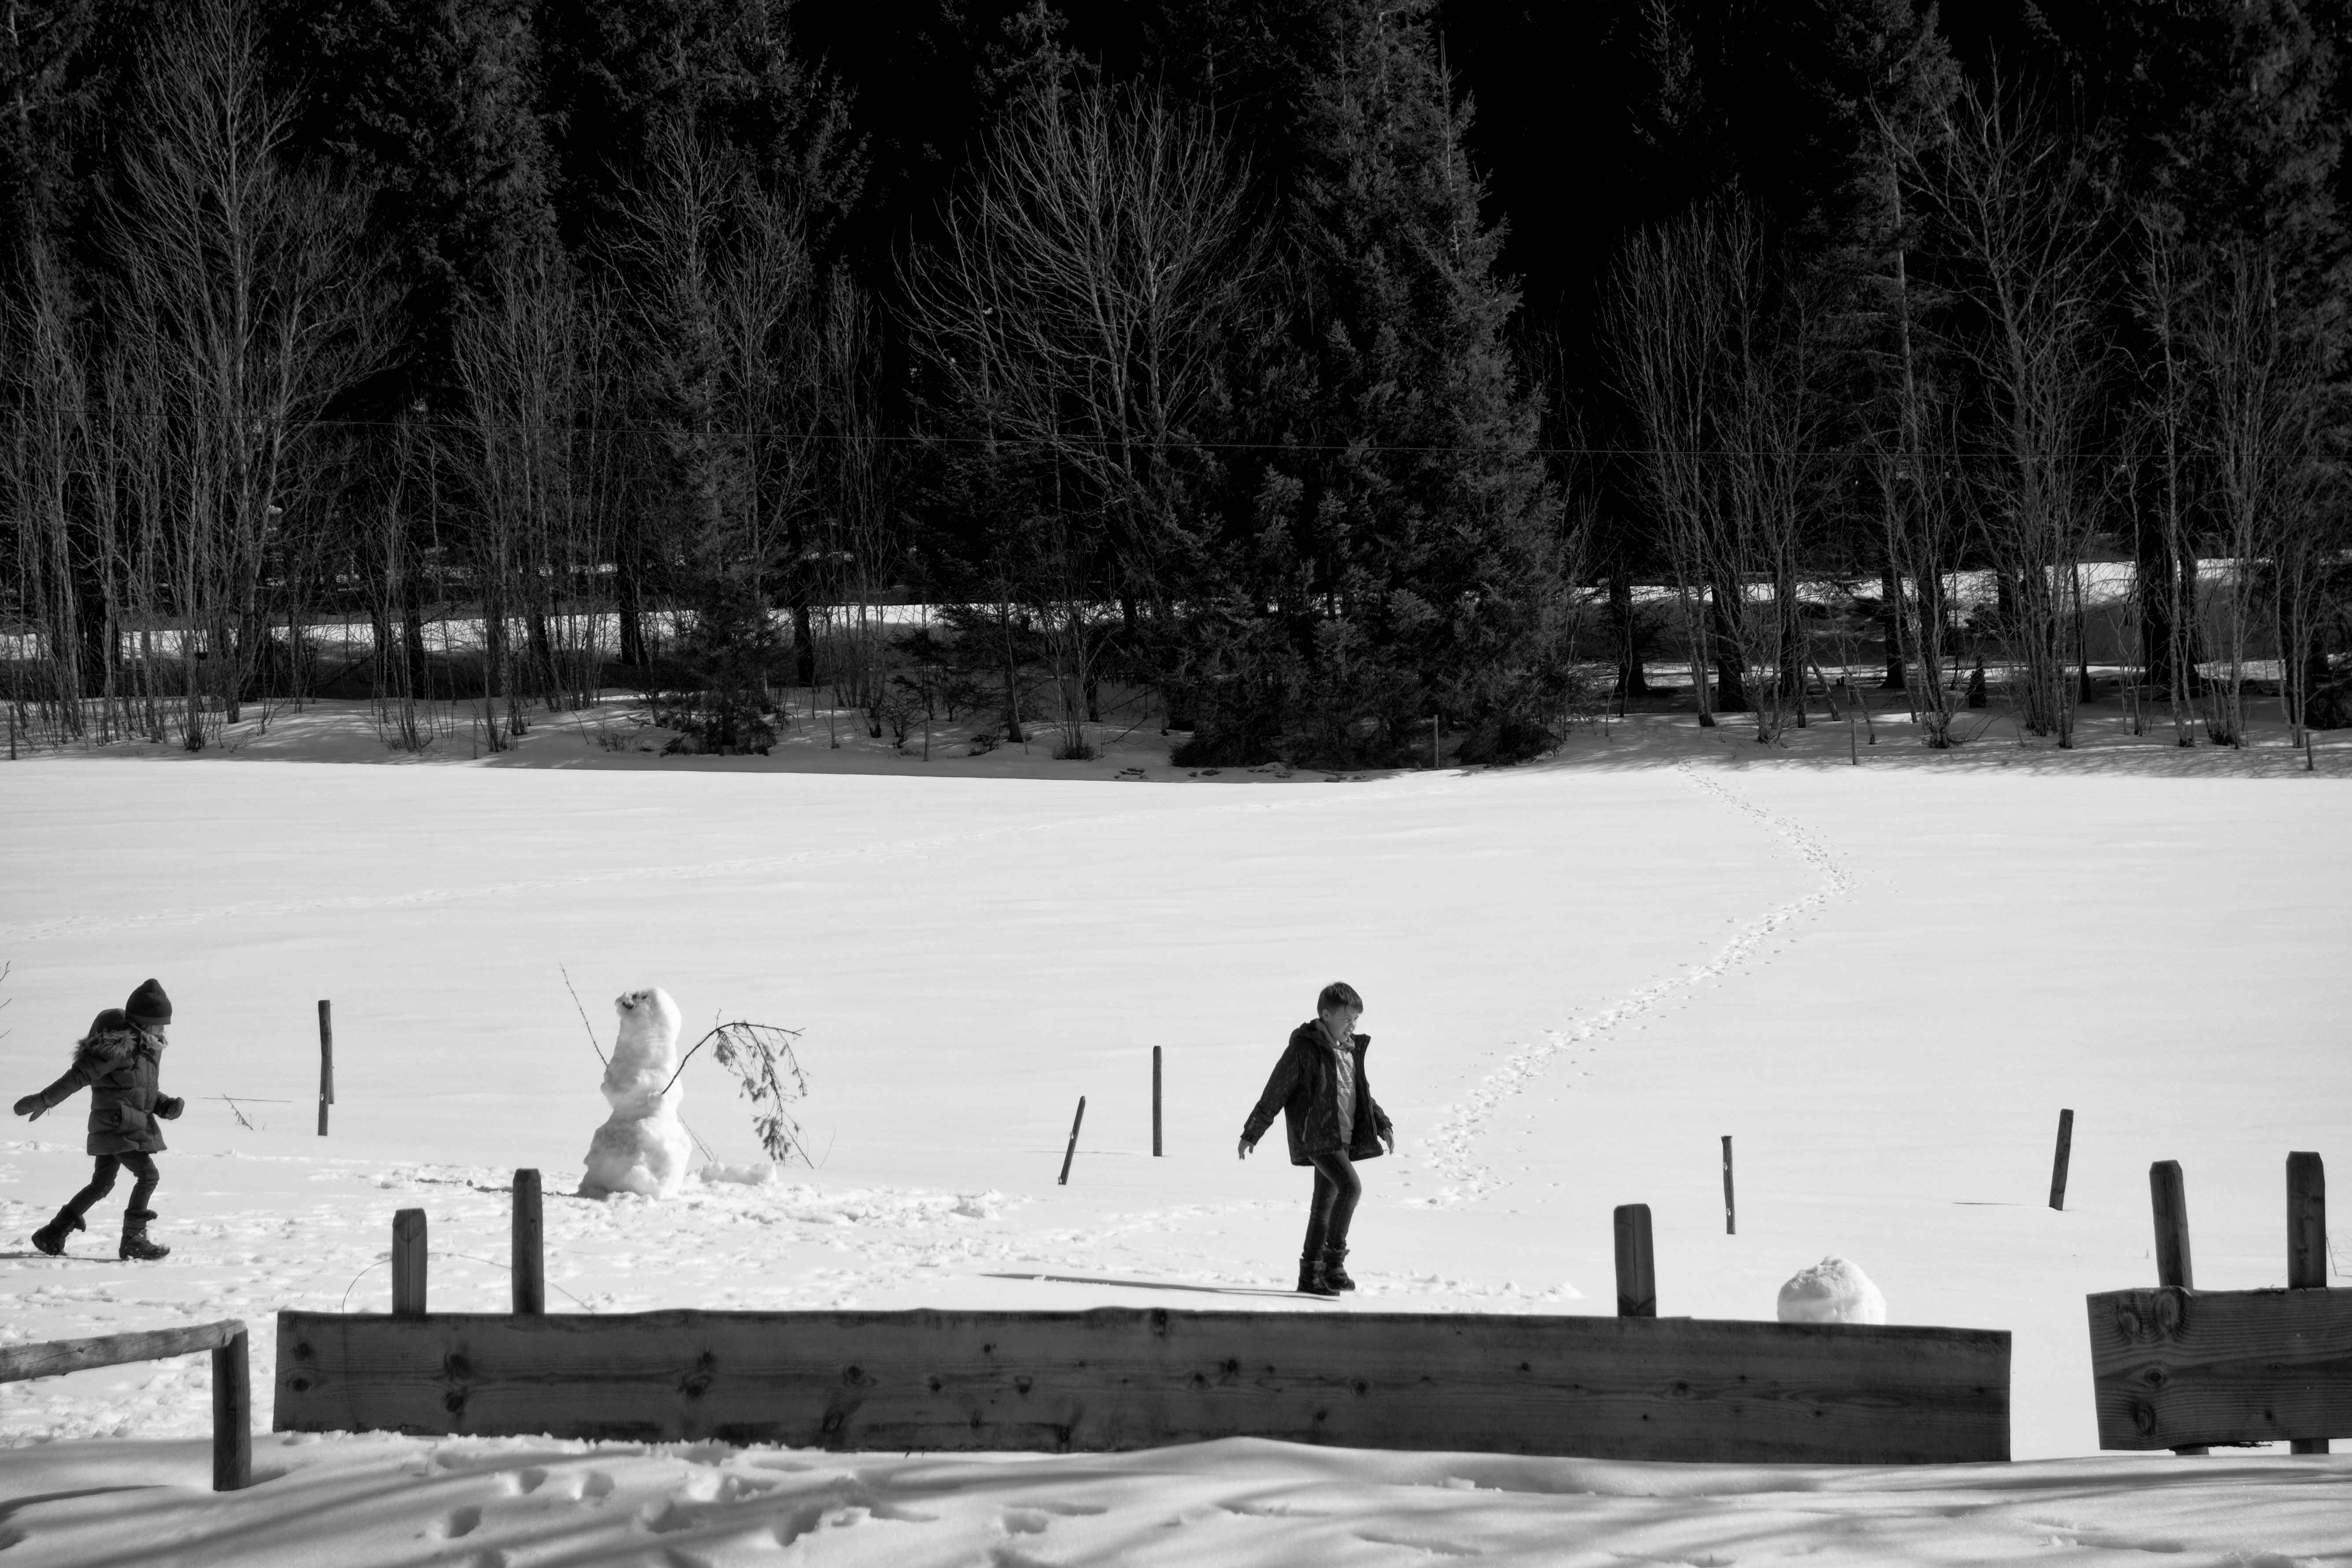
1114	1378
2173	1368
54	1357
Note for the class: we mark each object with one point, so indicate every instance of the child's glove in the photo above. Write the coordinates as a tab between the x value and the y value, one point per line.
31	1106
168	1106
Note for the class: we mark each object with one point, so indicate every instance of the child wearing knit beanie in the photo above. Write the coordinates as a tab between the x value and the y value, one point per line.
120	1062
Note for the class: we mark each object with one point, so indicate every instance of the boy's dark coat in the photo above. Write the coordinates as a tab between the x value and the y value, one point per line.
119	1063
1305	1088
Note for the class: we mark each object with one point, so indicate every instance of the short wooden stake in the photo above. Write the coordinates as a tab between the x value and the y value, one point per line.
1155	1102
232	1416
1637	1283
326	1061
2170	1199
2307	1244
408	1263
1730	1211
1071	1152
2058	1166
529	1248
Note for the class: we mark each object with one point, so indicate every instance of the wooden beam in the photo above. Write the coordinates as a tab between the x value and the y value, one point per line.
1637	1274
2171	1368
2168	1196
1071	1152
408	1262
527	1250
1116	1378
232	1415
1730	1210
2306	1223
2306	1242
56	1357
2058	1161
326	1061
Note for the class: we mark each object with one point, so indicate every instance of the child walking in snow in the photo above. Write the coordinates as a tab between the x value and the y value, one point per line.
1332	1121
118	1061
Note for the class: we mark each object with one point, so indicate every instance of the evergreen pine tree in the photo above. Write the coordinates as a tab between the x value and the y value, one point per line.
1406	539
429	109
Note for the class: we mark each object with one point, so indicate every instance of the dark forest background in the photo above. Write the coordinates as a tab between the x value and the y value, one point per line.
1293	374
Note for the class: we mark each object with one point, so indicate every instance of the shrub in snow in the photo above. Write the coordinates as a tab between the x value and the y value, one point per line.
642	1147
1831	1291
730	651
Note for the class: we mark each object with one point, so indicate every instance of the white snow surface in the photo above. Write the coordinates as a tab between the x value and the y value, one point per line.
1885	981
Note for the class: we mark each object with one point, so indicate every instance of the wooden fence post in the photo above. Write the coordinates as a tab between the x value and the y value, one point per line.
326	1061
232	1416
408	1263
2058	1166
2169	1200
1730	1212
1071	1152
2306	1243
1155	1102
530	1250
1637	1283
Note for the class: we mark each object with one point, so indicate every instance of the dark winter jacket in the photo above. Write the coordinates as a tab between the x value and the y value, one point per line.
118	1062
1304	1088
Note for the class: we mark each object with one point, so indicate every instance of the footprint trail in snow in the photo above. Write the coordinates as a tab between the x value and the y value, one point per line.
1452	1149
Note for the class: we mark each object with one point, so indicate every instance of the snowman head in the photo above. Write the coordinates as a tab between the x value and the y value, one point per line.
649	1019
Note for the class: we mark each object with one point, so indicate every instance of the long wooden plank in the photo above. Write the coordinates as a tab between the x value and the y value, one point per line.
2171	1368
52	1357
1115	1378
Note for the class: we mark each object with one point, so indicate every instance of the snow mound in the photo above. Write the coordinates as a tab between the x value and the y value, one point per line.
1831	1291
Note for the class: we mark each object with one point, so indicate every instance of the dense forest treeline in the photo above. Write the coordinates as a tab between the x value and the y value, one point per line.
1303	373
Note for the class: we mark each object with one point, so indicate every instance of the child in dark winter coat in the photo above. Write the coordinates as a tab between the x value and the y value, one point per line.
1332	1120
118	1061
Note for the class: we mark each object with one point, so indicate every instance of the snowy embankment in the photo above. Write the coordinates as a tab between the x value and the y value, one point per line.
1884	981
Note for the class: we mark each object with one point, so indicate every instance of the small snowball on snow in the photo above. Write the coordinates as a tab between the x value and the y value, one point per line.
759	1174
1831	1291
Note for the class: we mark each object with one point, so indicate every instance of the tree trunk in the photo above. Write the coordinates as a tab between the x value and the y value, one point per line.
412	632
1731	678
1891	612
1631	681
629	606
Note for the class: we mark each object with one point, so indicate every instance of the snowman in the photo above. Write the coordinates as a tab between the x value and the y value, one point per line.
643	1147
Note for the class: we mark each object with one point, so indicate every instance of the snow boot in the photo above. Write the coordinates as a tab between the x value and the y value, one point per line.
51	1237
136	1247
1310	1276
1335	1269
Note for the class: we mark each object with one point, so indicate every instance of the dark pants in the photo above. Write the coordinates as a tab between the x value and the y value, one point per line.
101	1182
1337	1188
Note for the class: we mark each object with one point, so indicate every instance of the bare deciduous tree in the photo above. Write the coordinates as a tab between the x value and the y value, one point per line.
1078	313
2020	211
243	286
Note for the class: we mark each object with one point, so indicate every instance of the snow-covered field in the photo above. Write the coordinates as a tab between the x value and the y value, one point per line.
1884	981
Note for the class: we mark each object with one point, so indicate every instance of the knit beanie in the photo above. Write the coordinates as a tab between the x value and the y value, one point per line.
149	1005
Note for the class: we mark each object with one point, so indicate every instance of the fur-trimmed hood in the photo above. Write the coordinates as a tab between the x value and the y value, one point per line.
113	1039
